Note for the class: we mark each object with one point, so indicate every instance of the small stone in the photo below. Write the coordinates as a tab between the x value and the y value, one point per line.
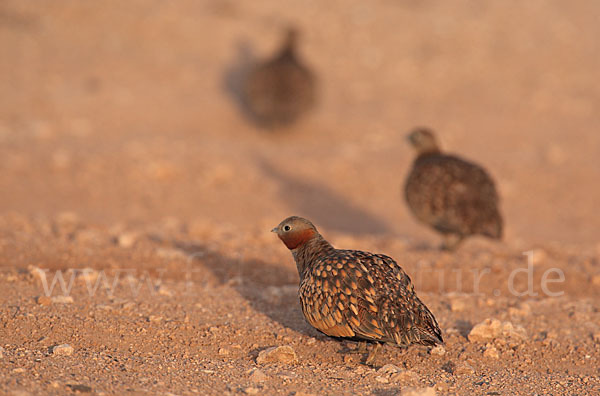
383	380
491	329
429	391
63	350
171	254
405	376
491	352
596	280
464	369
458	304
389	369
257	376
62	299
523	310
43	300
596	337
163	291
251	391
88	275
281	354
300	393
223	351
438	350
127	239
537	256
1	352
19	370
311	341
155	318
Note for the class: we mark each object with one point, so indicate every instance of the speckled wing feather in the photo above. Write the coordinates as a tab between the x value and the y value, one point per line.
351	293
453	196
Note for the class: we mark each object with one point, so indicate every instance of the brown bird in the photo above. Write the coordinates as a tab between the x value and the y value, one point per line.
278	91
355	294
454	196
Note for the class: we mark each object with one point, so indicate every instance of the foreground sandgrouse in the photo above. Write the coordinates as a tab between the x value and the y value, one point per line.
454	196
355	294
280	90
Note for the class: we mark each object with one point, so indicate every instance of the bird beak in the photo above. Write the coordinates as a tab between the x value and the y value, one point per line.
274	229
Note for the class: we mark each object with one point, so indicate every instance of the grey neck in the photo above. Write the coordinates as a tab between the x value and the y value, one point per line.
310	251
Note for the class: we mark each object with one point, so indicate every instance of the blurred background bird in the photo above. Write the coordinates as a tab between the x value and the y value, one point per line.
281	89
454	196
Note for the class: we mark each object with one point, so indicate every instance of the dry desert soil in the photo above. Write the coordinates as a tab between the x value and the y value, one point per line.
136	197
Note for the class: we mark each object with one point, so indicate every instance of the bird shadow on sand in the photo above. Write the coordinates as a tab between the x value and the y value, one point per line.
268	288
324	207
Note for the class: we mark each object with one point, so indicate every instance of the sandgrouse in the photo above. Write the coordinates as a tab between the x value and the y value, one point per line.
355	294
455	197
278	91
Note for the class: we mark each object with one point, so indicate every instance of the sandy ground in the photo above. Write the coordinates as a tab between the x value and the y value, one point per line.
128	169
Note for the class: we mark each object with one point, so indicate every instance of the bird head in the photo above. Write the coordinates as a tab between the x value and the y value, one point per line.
295	231
423	140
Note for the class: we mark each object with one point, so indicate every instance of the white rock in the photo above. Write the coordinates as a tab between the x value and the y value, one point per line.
280	354
62	299
251	391
430	391
88	275
405	376
127	239
389	369
63	350
464	369
491	329
257	375
438	350
1	352
491	352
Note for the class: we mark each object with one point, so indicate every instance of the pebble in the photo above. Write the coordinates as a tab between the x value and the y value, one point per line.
88	275
163	291
438	350
383	380
491	329
62	299
596	280
389	369
257	375
127	239
429	391
1	352
171	254
491	352
406	376
280	354
251	391
43	300
524	309
223	351
63	350
19	370
596	337
464	369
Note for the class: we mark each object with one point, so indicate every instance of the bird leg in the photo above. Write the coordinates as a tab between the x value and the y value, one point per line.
451	242
372	354
361	348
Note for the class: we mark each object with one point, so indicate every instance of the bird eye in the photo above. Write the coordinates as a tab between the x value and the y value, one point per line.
286	228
